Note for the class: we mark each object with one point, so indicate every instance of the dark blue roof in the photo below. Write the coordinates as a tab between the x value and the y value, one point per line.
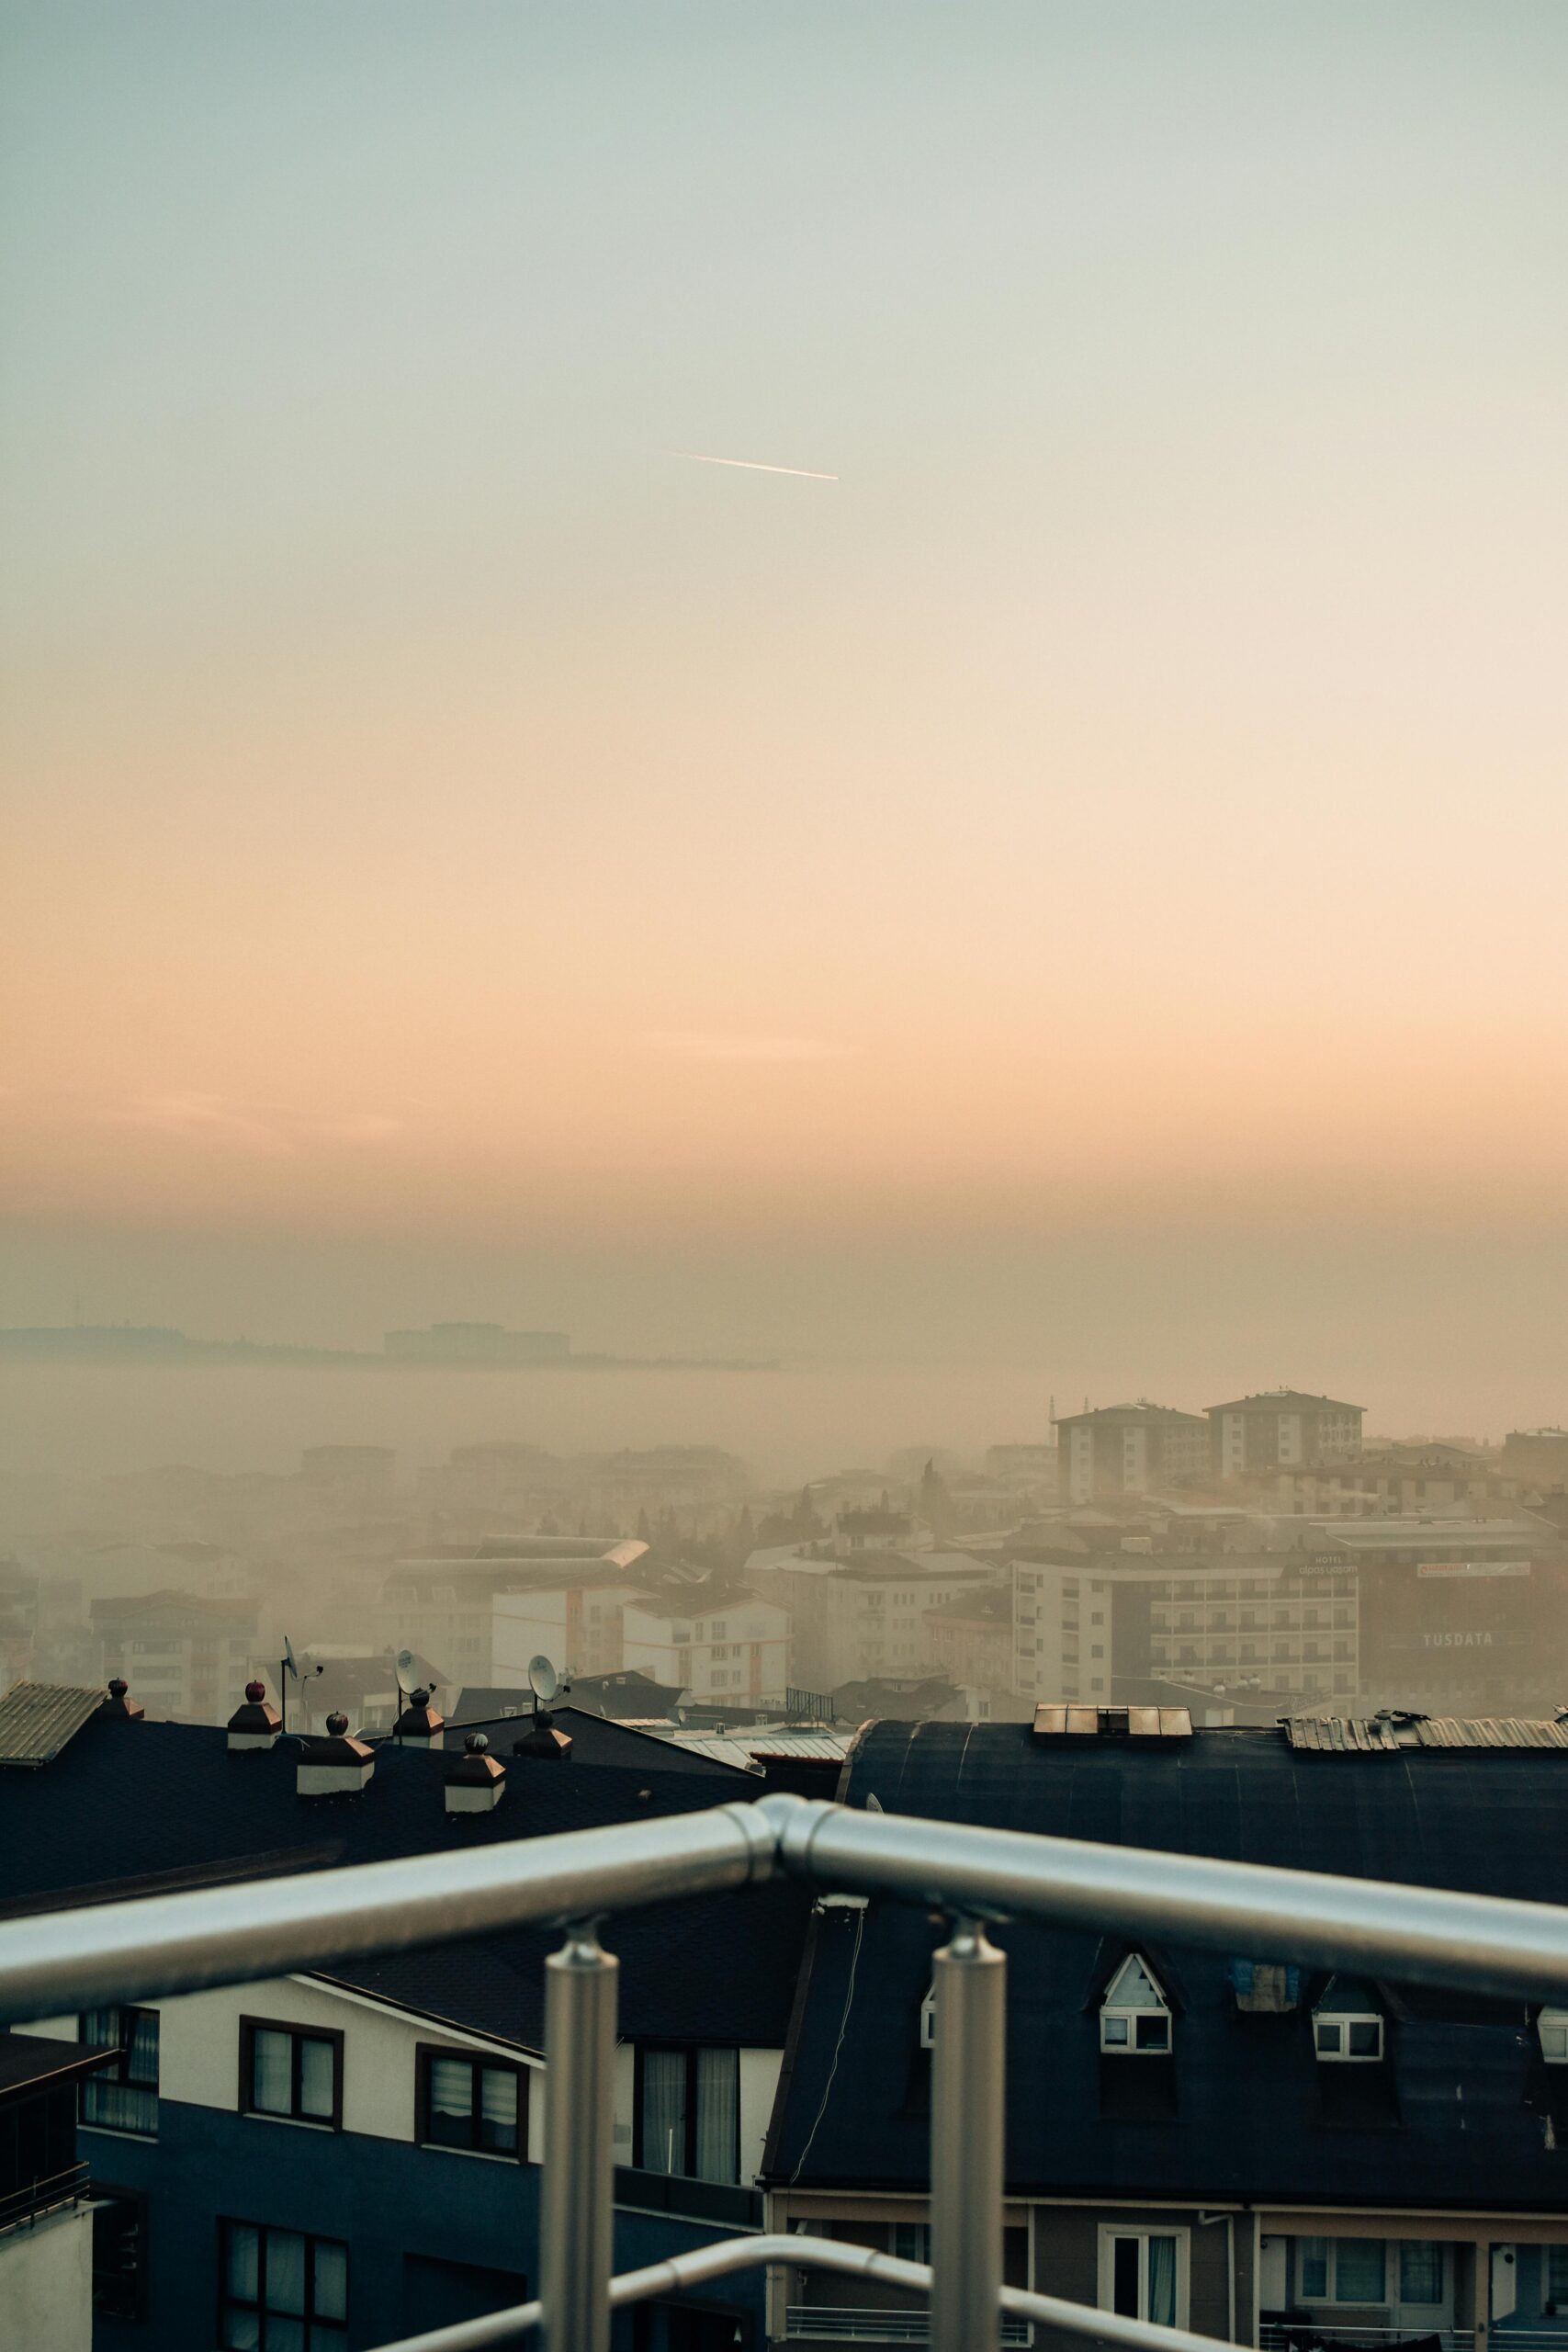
132	1808
1459	2113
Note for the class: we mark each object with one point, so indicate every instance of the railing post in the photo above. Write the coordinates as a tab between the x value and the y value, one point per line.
967	2144
579	2118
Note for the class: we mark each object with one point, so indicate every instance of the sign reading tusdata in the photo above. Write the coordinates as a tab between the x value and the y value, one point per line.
1473	1568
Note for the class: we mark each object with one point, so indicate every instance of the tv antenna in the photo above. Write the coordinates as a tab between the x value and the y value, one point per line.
288	1670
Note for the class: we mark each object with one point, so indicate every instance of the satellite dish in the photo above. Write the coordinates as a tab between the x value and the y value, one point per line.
289	1657
405	1661
872	1802
543	1679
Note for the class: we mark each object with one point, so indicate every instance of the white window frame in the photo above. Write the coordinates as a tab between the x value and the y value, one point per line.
1127	2013
1339	2022
1110	2231
1552	2028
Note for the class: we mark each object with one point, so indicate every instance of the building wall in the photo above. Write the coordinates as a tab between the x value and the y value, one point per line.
46	2284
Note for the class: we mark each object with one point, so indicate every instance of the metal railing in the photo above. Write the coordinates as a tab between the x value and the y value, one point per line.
162	1945
20	2207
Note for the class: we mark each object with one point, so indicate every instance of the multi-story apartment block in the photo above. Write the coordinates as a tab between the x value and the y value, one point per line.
1099	1629
1129	1449
190	1660
1262	2152
735	1653
1281	1430
866	1618
443	1603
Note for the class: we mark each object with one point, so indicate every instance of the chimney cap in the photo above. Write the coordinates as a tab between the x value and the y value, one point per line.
477	1743
255	1692
420	1719
476	1768
120	1703
337	1725
254	1722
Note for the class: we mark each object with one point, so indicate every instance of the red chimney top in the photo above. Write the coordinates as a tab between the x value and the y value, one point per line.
255	1692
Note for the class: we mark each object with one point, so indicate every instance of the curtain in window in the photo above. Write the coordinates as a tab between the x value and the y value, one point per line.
143	2063
241	2277
1358	2270
332	2281
718	2101
316	2078
1162	2281
663	2112
272	2072
1312	2257
498	2110
285	2271
1420	2271
451	2101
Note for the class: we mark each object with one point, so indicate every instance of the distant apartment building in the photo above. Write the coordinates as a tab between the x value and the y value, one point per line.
1281	1429
1418	1478
970	1638
1129	1449
188	1659
576	1622
1099	1629
1536	1457
735	1654
443	1602
868	1617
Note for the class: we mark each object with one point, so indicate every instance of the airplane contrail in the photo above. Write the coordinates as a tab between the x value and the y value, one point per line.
755	466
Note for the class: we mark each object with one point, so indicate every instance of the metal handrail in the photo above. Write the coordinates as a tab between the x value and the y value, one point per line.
24	2206
780	2250
163	1944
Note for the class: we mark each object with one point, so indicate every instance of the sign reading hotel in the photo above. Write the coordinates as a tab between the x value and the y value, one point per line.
1473	1568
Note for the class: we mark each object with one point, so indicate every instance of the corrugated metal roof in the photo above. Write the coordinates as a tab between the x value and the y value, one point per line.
38	1718
1386	1736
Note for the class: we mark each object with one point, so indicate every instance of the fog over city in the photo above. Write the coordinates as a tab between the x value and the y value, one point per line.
782	912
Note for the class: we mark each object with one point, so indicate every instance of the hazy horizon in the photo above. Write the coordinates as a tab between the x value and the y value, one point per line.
1076	893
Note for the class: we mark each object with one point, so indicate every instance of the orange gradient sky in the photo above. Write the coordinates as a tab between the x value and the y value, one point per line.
1129	798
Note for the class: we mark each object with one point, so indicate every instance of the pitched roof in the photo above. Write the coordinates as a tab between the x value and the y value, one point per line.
38	1718
1284	1401
133	1808
1255	2114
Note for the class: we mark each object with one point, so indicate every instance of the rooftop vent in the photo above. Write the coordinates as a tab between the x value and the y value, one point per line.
1055	1720
256	1723
419	1724
335	1766
476	1780
119	1705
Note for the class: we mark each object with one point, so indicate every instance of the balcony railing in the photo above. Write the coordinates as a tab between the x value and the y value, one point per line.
162	1945
849	2323
22	2206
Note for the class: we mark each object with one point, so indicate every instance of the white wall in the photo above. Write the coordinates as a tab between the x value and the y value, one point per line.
46	2284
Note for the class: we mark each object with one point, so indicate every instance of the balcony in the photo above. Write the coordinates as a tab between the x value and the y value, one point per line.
20	2207
162	1945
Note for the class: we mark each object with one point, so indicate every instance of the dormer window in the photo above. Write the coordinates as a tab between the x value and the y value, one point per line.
1134	2016
927	2020
1347	2025
1552	2026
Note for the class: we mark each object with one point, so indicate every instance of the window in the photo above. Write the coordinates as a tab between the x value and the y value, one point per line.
928	2028
471	2103
1341	2270
286	2072
281	2290
123	2098
687	2105
1142	2275
1421	2271
1552	2026
1135	2018
1347	2024
1555	2272
911	2241
119	2226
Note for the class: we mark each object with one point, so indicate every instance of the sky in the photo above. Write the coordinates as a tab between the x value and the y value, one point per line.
1083	886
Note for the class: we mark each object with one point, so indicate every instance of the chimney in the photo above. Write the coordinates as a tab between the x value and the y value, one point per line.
120	1704
335	1766
419	1724
255	1724
476	1782
542	1739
